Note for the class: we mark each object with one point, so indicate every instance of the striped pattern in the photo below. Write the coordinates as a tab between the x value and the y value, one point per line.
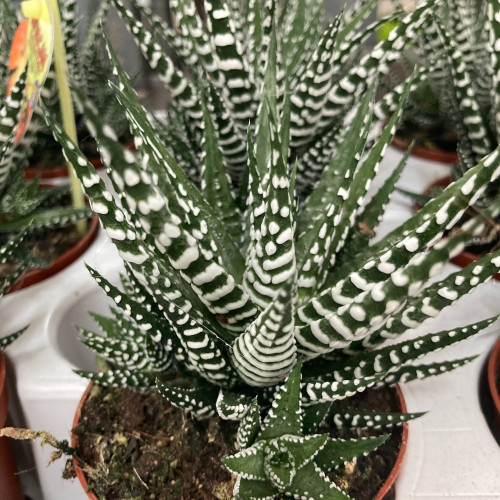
181	89
271	260
338	316
311	93
8	119
494	49
376	61
239	90
231	142
441	294
265	353
202	46
471	119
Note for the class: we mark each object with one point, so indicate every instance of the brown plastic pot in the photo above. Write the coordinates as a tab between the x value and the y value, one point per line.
64	260
437	155
10	486
493	369
80	474
386	488
464	258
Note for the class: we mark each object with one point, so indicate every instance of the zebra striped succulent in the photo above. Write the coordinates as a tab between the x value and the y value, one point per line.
233	271
461	43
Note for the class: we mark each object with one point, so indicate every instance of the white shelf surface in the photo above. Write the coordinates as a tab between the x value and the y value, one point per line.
451	453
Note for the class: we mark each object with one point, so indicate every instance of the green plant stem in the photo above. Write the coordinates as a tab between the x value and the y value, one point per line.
66	104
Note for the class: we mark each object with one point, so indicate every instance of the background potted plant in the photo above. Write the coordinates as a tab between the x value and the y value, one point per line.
461	55
235	328
425	121
44	216
87	65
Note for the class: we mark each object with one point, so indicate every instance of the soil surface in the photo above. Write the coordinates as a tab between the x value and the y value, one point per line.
138	446
46	245
436	137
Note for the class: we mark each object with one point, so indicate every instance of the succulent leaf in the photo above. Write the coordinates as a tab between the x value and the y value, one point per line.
8	339
215	184
180	87
338	451
198	400
265	353
140	381
249	426
232	405
437	296
407	373
285	415
240	88
354	418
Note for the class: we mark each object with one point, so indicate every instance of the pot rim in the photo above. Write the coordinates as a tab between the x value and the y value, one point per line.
437	155
80	474
493	362
2	370
34	276
380	495
396	468
3	391
464	258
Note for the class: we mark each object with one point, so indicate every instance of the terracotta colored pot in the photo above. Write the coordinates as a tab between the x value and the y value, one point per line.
10	486
437	155
493	369
464	258
64	260
74	443
384	490
389	482
62	170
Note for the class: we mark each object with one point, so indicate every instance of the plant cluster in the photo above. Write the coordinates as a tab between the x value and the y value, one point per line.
246	224
459	49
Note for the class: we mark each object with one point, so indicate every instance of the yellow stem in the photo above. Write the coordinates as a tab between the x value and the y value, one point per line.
66	104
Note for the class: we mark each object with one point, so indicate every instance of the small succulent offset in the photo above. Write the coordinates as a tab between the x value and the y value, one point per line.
233	271
277	457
